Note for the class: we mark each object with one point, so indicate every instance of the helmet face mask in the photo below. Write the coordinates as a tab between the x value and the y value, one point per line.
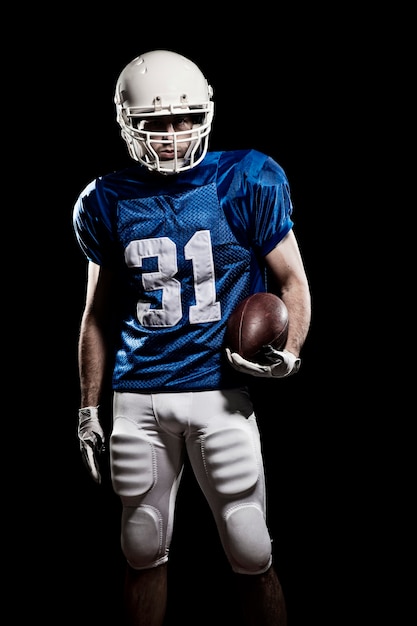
163	85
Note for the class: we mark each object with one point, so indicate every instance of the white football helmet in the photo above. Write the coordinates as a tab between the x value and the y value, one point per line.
156	84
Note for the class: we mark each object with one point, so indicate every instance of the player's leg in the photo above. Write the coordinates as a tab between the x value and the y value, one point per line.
262	599
145	596
146	467
225	452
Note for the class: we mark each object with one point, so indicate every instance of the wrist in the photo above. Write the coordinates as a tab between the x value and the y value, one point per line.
88	413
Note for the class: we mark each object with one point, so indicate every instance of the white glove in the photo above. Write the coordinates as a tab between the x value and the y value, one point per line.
282	364
91	438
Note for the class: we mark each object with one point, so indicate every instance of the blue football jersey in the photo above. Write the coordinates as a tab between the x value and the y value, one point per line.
187	248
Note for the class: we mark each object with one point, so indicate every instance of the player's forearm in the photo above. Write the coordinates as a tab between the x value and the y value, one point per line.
92	356
298	303
295	292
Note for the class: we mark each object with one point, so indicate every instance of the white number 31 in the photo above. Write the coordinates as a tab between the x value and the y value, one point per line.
198	250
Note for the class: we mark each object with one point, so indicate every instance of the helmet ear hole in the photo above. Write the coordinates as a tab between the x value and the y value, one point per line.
162	83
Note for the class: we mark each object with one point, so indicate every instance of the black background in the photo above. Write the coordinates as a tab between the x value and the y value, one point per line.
293	86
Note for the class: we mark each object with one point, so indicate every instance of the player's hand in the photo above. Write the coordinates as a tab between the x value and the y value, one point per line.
91	437
282	364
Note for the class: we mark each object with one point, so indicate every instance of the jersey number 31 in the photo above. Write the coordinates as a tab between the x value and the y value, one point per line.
198	250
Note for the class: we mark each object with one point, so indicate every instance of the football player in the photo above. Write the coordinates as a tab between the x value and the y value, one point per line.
173	244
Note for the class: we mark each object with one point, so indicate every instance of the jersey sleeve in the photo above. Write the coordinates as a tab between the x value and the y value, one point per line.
92	224
271	205
257	201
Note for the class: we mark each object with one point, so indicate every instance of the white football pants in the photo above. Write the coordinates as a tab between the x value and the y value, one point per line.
218	430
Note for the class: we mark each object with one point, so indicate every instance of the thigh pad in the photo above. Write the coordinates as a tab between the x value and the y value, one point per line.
132	459
230	458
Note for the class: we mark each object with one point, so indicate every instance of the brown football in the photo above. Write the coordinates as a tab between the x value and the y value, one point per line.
259	320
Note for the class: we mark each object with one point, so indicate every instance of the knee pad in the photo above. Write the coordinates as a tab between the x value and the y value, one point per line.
248	541
141	537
